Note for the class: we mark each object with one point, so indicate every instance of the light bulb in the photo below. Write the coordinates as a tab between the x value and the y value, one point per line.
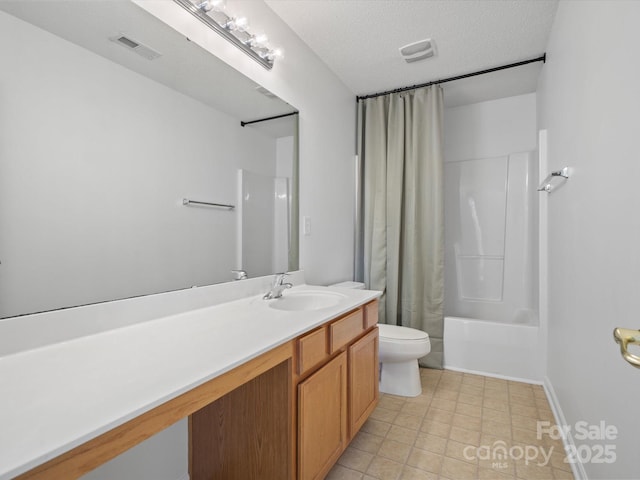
241	23
208	5
259	40
275	53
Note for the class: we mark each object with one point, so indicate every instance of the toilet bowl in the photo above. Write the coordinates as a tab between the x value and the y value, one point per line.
399	351
400	348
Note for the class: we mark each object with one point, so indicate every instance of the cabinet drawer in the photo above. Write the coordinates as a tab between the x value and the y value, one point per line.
312	350
345	330
370	314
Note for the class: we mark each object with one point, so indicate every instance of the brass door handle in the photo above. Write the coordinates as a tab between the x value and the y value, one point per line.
624	337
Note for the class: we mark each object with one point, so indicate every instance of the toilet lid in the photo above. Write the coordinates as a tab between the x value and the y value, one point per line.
401	333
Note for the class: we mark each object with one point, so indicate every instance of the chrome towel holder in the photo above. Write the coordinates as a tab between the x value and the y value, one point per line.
187	202
550	183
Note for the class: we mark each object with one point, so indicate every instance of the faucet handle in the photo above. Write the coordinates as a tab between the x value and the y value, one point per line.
240	274
279	278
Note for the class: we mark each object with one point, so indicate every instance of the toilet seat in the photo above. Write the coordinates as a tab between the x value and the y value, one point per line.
395	332
401	344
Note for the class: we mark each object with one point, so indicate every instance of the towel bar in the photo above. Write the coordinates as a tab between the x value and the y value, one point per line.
186	201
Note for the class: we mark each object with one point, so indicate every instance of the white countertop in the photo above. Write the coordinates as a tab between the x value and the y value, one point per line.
58	396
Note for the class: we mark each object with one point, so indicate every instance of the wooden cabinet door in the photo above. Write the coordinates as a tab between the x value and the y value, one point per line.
363	380
322	419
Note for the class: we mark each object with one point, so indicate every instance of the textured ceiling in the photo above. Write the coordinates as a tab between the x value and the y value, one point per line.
359	40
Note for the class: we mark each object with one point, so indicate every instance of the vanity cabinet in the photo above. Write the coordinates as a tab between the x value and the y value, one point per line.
363	372
363	380
322	416
338	365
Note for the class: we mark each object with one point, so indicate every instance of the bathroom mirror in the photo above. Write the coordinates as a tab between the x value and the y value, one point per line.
109	119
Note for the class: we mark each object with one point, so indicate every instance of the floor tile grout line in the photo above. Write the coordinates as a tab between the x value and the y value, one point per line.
441	459
435	382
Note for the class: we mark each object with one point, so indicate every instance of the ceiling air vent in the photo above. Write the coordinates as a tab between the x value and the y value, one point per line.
135	46
418	50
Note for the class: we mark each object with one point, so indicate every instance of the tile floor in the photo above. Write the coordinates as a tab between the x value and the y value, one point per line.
459	428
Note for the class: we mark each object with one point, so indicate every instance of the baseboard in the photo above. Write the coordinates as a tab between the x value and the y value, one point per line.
494	375
577	468
184	477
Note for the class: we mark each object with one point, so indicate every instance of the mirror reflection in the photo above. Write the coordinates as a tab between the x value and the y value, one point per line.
100	144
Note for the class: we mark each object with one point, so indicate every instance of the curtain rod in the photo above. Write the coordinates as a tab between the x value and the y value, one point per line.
451	79
268	118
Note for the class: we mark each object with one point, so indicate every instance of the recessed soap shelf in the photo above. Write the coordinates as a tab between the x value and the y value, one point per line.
552	181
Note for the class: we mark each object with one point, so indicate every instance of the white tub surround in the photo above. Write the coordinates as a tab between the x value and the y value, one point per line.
490	231
81	378
491	253
495	349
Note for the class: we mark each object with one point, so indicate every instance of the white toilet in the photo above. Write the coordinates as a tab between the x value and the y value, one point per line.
399	351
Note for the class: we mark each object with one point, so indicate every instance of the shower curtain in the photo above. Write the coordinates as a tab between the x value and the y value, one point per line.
400	145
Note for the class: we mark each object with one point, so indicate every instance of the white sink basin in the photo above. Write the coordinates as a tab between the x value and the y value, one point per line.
307	300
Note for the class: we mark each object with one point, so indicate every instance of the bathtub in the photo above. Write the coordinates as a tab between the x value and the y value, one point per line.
497	349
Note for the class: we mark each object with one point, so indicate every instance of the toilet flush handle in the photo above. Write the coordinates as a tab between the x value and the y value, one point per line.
624	337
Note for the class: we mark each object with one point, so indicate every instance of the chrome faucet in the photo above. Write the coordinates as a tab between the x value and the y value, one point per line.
277	287
239	274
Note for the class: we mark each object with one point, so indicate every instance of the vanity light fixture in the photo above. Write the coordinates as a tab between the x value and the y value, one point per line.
235	29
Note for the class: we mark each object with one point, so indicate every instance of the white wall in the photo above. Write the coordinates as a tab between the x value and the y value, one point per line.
589	101
327	118
490	129
162	457
94	164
